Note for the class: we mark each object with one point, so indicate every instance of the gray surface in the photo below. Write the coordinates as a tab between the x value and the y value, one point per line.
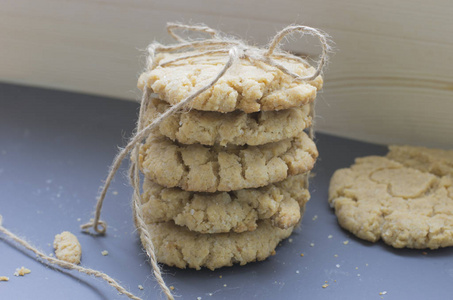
55	148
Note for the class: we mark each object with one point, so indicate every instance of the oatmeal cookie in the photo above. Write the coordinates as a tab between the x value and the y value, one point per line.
249	86
177	246
283	203
380	198
209	169
238	128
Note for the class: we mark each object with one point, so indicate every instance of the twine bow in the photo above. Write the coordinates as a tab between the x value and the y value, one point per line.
217	43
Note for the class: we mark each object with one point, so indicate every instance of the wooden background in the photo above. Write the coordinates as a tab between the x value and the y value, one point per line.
390	80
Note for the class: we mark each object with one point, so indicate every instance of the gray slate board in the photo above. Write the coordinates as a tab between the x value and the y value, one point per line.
55	149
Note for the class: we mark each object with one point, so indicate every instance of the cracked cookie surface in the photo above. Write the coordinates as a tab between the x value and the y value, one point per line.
380	198
209	169
249	86
177	246
282	203
238	128
436	161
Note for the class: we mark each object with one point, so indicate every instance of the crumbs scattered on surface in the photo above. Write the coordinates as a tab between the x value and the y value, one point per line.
312	244
315	217
297	271
346	242
198	298
105	253
337	265
290	240
330	236
172	288
115	193
325	285
383	293
335	255
225	285
4	278
140	287
21	271
356	268
220	276
302	254
79	219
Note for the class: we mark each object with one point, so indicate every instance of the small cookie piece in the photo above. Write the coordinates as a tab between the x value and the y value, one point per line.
381	198
177	246
249	86
236	211
436	161
237	128
209	169
67	247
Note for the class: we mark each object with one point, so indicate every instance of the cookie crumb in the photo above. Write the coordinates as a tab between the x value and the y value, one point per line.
315	217
366	265
4	278
337	265
346	242
325	285
335	255
115	193
358	275
383	293
273	252
220	276
140	287
290	240
210	294
312	244
225	285
105	253
67	247
79	219
172	288
22	271
302	254
297	271
330	236
198	298
356	268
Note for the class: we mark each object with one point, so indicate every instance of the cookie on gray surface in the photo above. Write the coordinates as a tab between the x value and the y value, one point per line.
177	246
249	86
282	203
436	161
238	128
380	198
210	169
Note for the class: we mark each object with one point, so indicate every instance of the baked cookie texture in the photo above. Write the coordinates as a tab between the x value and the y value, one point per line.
67	247
436	161
282	203
238	128
381	198
249	86
177	246
210	169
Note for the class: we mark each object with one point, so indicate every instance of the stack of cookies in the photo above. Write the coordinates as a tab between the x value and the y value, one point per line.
225	181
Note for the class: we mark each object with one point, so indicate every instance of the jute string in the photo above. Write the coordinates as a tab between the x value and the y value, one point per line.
215	44
65	264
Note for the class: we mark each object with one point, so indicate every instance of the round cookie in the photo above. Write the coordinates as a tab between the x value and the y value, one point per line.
177	246
436	161
249	86
238	128
209	169
238	211
380	198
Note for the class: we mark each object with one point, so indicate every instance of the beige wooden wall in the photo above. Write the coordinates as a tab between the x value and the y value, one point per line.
390	81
